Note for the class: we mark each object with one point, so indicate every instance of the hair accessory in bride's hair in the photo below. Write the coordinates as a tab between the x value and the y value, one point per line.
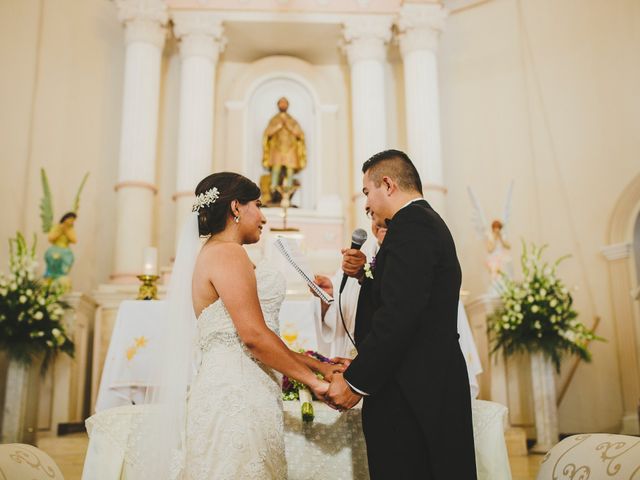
205	199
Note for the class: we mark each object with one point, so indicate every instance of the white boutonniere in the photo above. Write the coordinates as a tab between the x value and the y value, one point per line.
369	268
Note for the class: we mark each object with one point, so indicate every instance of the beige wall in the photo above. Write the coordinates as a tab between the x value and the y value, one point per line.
583	54
73	107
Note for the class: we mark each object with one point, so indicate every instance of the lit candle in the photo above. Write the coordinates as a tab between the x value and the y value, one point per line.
150	261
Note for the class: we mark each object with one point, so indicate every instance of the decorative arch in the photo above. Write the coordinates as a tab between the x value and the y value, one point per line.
624	214
623	284
319	114
280	65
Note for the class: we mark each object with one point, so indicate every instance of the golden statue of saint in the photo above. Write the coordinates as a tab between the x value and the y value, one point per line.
283	148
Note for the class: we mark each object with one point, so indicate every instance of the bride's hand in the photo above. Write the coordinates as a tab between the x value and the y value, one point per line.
319	389
345	362
328	369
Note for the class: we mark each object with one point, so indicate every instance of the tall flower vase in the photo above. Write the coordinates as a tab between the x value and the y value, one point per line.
20	412
544	401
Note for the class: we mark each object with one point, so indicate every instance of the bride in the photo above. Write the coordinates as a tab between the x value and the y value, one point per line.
224	421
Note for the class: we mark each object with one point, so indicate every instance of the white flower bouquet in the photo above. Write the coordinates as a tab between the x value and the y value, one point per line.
537	313
31	309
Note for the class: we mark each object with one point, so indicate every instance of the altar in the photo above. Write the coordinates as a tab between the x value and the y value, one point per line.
133	348
331	447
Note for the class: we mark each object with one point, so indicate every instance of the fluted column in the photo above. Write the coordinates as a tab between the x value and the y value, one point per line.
419	29
201	42
366	42
144	22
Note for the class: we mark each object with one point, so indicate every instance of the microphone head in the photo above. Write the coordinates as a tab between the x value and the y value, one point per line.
359	236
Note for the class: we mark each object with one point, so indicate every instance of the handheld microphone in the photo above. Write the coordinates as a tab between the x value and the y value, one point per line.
358	237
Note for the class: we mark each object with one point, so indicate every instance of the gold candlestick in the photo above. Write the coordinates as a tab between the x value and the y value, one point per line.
148	289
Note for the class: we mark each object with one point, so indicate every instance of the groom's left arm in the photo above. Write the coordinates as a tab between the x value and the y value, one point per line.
405	289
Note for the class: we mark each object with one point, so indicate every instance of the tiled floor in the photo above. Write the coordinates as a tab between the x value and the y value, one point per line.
68	452
525	468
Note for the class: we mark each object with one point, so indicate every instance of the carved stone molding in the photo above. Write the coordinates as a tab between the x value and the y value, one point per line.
420	26
151	10
136	184
616	251
146	31
183	194
304	6
200	33
435	187
366	38
144	20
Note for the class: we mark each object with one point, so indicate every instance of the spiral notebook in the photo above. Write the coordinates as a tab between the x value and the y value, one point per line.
290	251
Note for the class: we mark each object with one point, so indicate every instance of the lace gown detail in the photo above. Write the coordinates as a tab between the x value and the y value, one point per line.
234	411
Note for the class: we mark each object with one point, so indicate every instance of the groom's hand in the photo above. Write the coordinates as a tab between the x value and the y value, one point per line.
340	395
353	262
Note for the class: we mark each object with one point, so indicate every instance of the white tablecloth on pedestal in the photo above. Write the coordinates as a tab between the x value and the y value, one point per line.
331	447
492	459
132	349
299	314
132	353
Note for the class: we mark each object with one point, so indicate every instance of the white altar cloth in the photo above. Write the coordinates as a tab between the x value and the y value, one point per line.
132	349
331	447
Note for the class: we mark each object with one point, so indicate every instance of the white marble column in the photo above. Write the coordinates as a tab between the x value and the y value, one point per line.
366	40
419	27
201	42
144	22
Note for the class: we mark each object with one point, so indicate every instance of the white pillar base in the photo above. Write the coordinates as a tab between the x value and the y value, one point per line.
631	424
544	400
20	415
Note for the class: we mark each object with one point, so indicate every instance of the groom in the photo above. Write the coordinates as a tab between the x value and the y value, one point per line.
416	415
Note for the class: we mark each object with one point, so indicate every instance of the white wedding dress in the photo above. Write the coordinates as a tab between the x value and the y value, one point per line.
234	427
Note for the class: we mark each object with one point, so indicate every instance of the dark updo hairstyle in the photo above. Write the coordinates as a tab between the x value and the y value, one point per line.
68	215
231	186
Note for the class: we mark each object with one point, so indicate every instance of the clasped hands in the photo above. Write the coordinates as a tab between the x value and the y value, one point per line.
338	395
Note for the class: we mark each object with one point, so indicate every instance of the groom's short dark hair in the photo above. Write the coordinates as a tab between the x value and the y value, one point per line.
394	164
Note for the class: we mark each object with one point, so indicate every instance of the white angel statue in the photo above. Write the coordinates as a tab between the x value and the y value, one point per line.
499	259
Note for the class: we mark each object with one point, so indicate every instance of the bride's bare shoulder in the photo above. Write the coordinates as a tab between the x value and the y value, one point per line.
224	253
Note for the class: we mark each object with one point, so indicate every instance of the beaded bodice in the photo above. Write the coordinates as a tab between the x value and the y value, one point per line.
215	326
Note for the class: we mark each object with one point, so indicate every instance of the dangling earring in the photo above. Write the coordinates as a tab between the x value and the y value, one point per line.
236	219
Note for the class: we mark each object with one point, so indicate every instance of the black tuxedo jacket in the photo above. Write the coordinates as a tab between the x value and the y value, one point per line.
406	336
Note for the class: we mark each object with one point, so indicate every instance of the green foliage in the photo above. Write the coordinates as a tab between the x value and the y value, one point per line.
31	309
537	313
46	203
76	201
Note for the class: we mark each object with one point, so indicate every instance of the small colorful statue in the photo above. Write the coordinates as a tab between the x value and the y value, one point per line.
59	257
498	261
